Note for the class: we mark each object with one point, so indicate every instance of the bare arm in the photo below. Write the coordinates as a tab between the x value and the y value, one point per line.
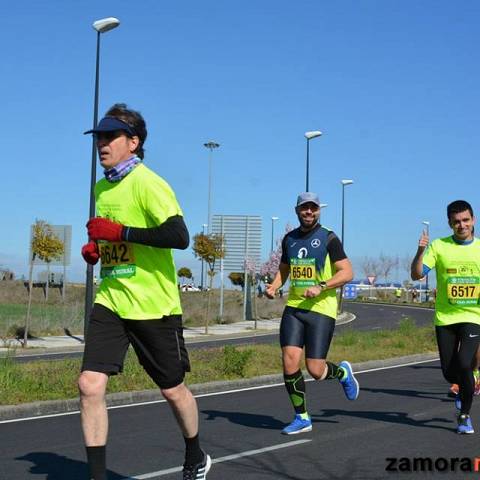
416	270
280	278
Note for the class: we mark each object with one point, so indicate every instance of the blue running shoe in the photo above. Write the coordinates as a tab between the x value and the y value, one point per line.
465	424
458	402
349	382
299	425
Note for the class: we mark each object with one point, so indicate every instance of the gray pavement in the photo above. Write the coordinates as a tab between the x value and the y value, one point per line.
192	334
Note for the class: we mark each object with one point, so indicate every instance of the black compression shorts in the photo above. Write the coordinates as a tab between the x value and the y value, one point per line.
303	328
159	345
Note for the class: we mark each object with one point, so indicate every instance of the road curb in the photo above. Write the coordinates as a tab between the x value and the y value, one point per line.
53	407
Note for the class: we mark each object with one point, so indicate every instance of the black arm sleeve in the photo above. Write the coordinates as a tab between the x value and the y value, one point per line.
172	233
335	248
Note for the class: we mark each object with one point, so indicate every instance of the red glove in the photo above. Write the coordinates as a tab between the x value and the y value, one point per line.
104	229
90	253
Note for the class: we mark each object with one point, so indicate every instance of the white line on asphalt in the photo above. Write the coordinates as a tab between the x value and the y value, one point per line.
397	366
211	394
227	458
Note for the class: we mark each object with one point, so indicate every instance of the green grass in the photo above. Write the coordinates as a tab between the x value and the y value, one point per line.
28	382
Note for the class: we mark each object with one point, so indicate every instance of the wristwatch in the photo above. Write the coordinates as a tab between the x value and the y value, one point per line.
322	285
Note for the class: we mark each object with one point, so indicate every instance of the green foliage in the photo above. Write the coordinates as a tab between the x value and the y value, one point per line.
209	248
237	278
184	272
235	361
45	244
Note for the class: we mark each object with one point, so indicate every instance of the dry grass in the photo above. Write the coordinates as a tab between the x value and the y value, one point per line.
52	317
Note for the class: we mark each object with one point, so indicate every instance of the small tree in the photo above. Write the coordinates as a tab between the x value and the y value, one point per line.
237	279
386	265
250	271
184	272
46	246
209	248
269	269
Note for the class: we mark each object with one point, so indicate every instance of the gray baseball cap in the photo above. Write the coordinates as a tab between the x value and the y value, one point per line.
307	197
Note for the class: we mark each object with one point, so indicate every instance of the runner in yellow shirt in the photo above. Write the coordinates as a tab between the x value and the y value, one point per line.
314	259
139	222
456	260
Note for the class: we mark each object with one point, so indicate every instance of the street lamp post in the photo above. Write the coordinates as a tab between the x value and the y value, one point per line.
322	206
273	222
427	228
211	147
204	226
100	26
344	184
309	136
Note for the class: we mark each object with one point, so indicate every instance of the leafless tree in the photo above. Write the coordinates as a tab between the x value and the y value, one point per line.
370	267
386	265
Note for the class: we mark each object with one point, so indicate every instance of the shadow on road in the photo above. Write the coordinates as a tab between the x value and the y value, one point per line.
58	467
246	419
440	396
400	418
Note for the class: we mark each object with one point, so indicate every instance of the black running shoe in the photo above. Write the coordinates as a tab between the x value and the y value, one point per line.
199	470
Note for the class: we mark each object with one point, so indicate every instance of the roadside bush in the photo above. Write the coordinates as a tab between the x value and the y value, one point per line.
235	361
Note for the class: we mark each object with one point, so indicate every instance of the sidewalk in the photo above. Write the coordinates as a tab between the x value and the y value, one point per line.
192	334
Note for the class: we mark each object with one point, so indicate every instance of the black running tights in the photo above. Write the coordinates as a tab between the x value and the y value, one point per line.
457	345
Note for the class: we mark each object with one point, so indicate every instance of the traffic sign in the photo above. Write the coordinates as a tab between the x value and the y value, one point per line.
350	291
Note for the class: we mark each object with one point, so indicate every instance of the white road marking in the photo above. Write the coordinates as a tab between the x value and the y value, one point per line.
211	394
227	458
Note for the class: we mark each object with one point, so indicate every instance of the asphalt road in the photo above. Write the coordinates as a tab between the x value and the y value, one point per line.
368	317
402	412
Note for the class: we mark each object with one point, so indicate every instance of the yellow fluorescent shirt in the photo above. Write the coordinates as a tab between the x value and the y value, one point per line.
138	282
458	280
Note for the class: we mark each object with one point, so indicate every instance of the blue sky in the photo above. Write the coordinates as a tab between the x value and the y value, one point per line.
394	87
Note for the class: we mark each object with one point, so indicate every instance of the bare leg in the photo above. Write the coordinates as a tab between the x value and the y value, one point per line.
291	357
93	408
184	408
317	368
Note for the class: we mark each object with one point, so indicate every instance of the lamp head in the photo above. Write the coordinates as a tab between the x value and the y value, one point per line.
105	24
275	218
211	145
312	134
347	182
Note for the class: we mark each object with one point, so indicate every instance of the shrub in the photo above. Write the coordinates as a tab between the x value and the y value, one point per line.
235	361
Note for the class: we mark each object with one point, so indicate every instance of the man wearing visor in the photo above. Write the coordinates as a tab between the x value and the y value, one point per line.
314	259
139	222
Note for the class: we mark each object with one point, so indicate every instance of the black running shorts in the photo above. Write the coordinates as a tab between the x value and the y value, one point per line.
159	345
303	328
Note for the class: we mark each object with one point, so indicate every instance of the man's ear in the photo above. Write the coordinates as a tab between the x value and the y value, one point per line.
134	143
